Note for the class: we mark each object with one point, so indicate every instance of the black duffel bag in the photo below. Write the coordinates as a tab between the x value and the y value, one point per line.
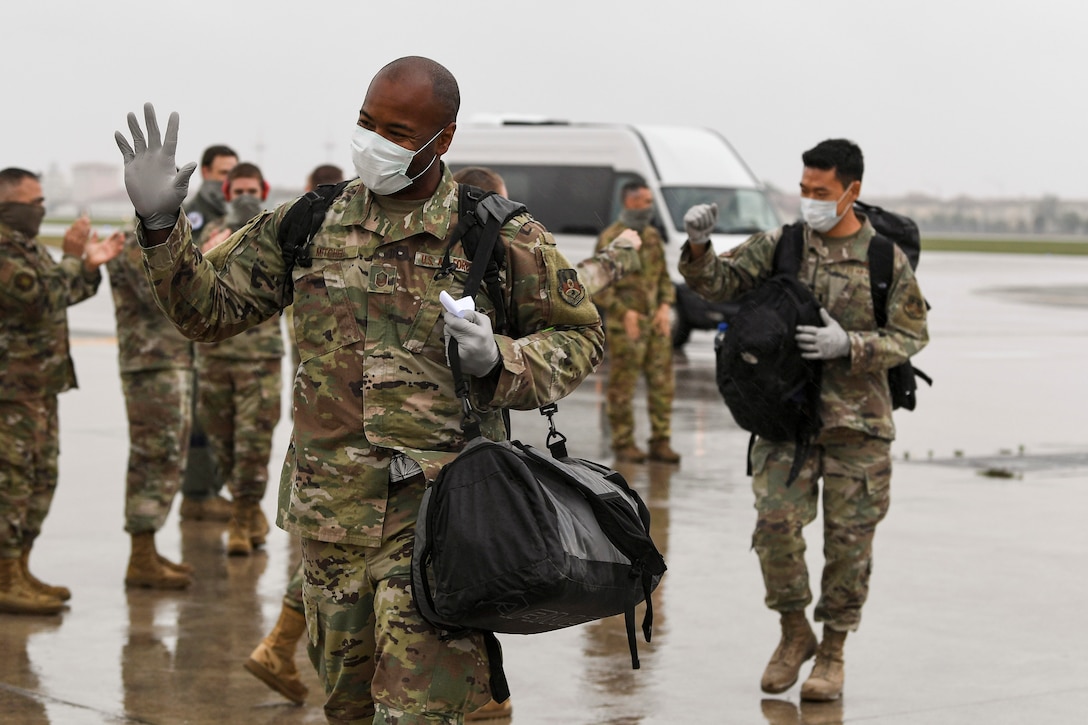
514	540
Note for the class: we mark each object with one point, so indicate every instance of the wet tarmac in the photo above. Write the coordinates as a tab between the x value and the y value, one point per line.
978	593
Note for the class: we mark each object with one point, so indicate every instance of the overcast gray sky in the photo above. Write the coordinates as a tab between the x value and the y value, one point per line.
945	97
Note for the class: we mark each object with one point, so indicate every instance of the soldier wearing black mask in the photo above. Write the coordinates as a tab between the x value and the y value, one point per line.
35	292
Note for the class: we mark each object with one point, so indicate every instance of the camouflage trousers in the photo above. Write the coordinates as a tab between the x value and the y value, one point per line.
856	472
293	596
650	355
159	409
381	663
239	407
29	448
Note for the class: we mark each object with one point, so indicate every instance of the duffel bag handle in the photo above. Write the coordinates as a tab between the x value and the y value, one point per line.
556	441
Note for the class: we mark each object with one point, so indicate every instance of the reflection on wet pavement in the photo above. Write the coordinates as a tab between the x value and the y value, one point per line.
785	712
974	614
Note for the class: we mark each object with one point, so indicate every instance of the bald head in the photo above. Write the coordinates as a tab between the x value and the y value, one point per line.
416	70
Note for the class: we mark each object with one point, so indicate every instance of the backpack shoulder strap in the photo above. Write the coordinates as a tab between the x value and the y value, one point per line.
468	197
881	264
499	208
481	216
301	223
790	250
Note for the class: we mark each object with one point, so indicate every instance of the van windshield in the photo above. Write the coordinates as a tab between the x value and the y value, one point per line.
740	211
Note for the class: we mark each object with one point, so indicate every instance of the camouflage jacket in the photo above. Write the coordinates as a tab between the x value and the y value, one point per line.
369	330
855	389
146	339
260	342
607	266
35	293
642	291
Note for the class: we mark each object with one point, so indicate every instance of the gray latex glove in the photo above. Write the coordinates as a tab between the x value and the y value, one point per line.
154	183
476	344
823	343
699	222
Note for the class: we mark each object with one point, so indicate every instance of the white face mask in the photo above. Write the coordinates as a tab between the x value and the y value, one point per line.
381	164
822	215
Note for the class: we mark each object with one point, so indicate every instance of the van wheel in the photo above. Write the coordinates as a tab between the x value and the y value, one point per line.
681	330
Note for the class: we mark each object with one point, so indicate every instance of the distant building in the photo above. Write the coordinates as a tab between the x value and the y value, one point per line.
92	181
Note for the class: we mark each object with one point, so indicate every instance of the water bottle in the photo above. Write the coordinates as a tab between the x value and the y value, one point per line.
719	336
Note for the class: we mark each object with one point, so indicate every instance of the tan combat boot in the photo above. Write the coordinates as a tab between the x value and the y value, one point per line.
825	682
177	566
798	644
216	508
491	711
61	593
258	532
242	526
17	596
145	568
661	451
630	454
273	662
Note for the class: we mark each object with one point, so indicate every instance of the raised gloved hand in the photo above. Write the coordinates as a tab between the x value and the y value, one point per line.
823	343
699	222
476	346
154	183
627	239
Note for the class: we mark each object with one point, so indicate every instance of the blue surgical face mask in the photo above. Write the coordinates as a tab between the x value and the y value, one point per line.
381	164
822	215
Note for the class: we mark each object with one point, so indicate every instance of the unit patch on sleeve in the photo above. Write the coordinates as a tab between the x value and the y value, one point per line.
570	287
24	281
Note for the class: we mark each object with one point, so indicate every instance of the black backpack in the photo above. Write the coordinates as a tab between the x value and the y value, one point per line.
771	390
892	228
896	227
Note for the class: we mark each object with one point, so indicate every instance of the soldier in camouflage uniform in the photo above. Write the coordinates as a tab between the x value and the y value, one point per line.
156	363
637	324
273	660
201	483
35	365
209	203
240	381
375	411
852	452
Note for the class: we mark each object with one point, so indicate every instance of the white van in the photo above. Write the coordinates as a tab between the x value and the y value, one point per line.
569	175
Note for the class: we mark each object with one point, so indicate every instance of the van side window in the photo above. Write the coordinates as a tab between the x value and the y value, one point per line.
565	199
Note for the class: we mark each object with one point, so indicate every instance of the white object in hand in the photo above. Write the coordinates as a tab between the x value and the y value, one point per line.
456	307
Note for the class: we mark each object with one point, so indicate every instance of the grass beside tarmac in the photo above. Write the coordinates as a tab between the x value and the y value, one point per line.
1005	246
